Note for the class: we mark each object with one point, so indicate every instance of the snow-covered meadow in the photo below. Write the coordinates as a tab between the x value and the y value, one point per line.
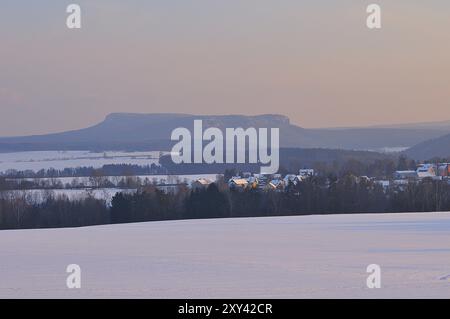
282	257
37	160
80	187
88	182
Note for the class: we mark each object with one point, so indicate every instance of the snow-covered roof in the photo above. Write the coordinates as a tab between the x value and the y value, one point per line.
239	181
203	181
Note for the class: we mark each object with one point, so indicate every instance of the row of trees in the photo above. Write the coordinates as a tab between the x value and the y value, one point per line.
16	212
316	195
87	171
97	180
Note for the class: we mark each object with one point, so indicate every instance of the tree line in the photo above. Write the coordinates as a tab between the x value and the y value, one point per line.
87	171
316	195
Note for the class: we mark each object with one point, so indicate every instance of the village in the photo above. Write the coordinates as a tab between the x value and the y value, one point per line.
278	182
262	182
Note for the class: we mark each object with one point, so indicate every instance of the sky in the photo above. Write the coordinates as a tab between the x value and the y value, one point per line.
314	61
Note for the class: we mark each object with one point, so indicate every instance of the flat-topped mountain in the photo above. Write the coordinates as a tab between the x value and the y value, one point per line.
129	131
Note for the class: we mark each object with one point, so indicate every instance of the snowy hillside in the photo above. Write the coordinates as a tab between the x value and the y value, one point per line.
292	257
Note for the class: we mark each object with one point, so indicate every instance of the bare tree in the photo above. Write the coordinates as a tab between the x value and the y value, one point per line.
98	178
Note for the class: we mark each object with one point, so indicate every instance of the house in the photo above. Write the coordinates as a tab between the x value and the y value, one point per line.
253	182
238	183
275	184
444	169
426	170
201	183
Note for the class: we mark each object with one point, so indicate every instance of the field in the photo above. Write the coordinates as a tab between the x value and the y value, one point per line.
289	257
69	159
81	187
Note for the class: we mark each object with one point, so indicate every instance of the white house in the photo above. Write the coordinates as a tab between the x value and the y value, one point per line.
426	170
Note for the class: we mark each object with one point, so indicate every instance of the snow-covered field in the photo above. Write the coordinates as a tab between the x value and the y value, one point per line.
291	257
70	159
159	179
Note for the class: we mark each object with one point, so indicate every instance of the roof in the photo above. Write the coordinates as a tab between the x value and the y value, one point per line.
203	181
239	181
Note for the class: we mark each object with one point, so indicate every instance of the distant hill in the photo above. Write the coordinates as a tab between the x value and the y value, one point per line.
437	147
439	125
291	159
128	131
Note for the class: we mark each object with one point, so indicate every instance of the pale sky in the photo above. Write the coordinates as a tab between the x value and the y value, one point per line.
314	61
